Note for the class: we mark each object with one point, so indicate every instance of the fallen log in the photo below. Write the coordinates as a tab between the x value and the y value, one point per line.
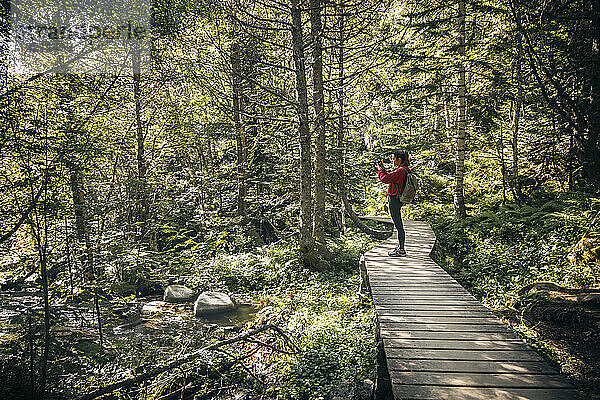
589	298
176	363
553	287
361	225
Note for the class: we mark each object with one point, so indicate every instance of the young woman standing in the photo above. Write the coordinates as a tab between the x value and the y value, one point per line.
395	181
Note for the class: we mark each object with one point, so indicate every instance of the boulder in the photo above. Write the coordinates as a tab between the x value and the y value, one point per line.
212	302
178	294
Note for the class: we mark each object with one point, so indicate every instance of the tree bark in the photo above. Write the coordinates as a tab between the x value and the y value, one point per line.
459	200
79	209
306	239
141	189
517	112
40	235
316	30
242	151
502	163
340	156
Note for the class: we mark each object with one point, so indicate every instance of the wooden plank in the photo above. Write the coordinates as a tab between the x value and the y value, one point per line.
413	392
416	285
470	379
449	344
481	366
431	290
441	320
408	278
411	281
386	327
435	297
391	264
432	293
411	275
413	271
402	299
421	293
443	354
383	262
432	307
438	335
381	310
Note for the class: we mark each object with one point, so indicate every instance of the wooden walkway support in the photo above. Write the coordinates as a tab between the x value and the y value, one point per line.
439	341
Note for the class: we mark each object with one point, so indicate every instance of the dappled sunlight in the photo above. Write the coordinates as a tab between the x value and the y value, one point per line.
437	336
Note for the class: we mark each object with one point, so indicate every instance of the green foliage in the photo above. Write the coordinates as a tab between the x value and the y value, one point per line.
504	247
322	310
334	352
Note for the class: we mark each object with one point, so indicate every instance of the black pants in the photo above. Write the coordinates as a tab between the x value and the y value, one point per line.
395	206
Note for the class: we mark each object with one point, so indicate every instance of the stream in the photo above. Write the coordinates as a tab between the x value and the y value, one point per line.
78	322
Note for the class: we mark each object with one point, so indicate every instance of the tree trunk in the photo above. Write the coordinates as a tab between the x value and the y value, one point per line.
242	151
31	355
306	239
142	194
81	218
515	137
437	121
76	183
502	163
459	200
41	237
319	126
68	257
340	156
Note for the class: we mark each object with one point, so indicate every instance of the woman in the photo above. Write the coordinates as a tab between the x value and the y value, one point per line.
396	184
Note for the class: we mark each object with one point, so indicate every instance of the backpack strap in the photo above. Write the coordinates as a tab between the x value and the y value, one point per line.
398	191
404	181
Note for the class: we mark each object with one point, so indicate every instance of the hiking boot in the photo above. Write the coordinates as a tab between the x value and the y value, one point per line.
397	252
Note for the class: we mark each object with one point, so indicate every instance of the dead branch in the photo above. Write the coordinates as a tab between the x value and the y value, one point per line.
553	287
268	346
176	363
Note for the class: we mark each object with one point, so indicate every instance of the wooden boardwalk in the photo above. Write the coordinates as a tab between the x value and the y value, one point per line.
439	341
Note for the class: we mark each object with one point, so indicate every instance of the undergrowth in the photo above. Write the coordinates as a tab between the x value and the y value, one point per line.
502	248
